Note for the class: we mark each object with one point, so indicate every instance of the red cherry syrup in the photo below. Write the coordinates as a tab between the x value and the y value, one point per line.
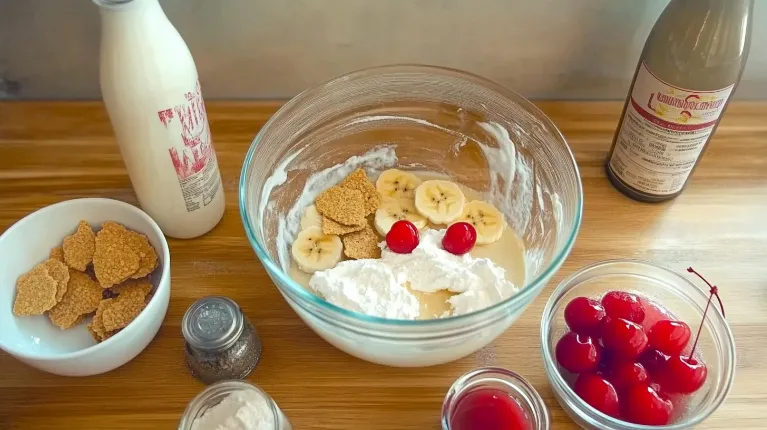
489	409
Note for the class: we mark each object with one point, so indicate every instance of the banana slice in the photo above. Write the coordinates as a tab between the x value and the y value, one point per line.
311	218
486	219
393	210
396	184
439	201
314	250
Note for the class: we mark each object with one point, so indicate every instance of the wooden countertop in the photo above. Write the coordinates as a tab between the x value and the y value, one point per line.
51	152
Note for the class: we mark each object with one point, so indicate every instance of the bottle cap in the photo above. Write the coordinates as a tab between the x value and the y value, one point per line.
212	323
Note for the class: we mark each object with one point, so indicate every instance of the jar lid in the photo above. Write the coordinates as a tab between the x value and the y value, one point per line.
212	323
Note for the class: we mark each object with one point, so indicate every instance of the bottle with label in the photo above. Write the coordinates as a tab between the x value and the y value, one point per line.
152	93
691	63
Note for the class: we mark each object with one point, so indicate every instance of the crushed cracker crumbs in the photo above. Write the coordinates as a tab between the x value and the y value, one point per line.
105	273
123	309
342	205
331	227
35	292
114	260
57	253
60	272
358	180
79	247
82	297
362	244
147	255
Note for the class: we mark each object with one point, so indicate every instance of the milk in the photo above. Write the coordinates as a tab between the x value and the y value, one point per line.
152	93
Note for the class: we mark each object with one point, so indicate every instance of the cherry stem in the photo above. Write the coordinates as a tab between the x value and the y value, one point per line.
713	291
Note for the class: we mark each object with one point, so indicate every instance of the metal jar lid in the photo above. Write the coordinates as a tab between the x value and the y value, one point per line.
212	323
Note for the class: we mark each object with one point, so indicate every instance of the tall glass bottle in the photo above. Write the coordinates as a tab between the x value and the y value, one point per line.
152	93
691	63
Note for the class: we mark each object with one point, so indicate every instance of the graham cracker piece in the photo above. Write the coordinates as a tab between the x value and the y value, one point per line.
100	336
35	292
115	259
79	247
362	244
359	181
109	334
94	334
142	285
96	327
120	311
57	253
331	227
342	205
60	272
146	252
82	297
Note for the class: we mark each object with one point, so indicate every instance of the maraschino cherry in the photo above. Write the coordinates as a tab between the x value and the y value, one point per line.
687	374
620	304
629	351
625	338
459	238
654	361
647	406
624	374
578	352
669	337
402	238
598	392
584	315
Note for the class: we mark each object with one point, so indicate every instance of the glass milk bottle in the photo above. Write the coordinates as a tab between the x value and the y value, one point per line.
691	63
152	93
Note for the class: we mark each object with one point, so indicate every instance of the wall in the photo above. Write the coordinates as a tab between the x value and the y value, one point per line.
585	49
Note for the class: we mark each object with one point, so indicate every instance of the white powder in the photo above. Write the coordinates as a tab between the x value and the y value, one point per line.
240	410
366	286
377	287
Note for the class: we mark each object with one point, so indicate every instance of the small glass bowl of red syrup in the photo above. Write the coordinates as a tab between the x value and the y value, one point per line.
492	398
665	294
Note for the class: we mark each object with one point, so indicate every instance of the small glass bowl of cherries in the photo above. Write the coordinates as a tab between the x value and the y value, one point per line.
631	345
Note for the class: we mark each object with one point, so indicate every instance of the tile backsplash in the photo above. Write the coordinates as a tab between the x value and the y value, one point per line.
258	49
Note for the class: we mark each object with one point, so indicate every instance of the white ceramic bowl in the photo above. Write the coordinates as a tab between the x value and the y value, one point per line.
34	339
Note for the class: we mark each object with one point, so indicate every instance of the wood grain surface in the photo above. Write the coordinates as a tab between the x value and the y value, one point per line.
51	152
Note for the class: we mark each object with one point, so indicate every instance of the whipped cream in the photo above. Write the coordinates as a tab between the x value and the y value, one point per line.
378	287
366	286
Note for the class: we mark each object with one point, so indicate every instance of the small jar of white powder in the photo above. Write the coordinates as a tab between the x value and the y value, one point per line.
233	405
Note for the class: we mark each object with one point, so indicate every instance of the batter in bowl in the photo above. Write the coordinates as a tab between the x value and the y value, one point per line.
342	254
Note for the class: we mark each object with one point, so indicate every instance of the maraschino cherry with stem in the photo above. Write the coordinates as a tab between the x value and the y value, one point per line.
687	374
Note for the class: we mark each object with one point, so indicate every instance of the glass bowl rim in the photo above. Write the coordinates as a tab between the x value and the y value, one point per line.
306	296
596	417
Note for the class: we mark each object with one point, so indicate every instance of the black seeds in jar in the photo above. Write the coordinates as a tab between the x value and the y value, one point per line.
221	343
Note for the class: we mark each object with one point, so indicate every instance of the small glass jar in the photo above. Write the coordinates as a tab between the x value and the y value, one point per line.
221	343
215	393
497	380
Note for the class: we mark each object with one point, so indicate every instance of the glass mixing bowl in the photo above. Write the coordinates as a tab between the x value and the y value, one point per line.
685	300
478	133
